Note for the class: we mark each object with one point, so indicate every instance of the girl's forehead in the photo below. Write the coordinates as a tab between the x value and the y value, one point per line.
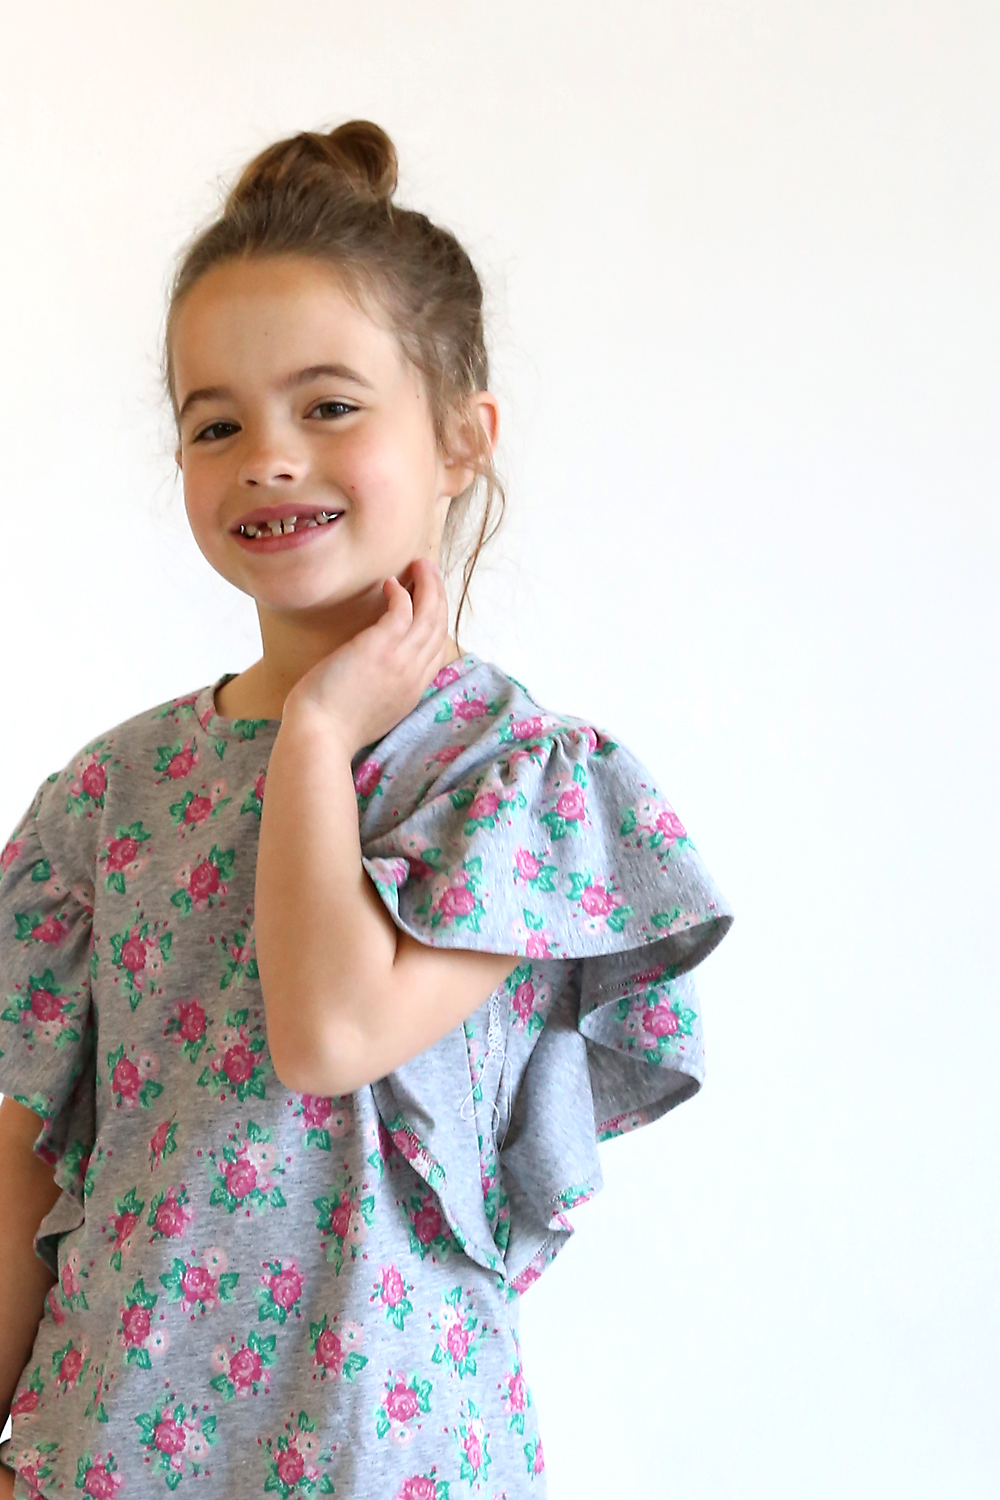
269	315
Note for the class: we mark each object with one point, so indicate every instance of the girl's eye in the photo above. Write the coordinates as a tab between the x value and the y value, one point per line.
215	431
325	409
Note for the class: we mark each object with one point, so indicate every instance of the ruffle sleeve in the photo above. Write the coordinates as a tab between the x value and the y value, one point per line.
46	1032
542	837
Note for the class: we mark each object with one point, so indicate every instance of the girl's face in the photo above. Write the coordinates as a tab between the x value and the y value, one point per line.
294	407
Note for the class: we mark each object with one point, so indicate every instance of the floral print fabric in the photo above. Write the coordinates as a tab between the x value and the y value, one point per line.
263	1291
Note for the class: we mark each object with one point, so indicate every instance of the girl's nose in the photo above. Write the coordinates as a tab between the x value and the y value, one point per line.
271	463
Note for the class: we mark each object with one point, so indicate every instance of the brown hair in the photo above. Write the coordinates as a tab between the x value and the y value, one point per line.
329	197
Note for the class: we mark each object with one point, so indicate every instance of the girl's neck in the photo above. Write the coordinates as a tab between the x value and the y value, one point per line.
289	652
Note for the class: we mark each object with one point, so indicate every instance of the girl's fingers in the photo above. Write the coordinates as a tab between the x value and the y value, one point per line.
430	604
400	611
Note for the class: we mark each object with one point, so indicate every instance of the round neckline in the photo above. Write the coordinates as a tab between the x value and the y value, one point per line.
215	724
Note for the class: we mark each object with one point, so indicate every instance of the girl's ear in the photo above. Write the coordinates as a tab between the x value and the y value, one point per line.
471	436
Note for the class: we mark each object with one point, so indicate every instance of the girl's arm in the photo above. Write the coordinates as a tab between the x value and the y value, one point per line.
348	996
29	1192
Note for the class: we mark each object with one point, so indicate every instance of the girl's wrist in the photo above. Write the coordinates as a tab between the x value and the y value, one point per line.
304	720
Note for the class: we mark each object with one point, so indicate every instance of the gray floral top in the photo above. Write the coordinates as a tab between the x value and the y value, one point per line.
259	1290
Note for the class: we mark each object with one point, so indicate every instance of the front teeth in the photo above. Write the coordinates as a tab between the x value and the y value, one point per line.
287	524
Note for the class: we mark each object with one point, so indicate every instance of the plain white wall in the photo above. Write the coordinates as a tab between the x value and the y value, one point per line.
742	267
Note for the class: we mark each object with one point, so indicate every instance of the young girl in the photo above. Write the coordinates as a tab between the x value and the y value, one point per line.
320	984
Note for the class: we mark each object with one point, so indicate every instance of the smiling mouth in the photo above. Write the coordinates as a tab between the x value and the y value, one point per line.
286	525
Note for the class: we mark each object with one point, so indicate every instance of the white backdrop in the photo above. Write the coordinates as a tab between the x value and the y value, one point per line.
742	267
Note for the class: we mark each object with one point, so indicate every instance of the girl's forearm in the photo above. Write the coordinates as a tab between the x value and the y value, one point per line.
324	941
348	997
29	1193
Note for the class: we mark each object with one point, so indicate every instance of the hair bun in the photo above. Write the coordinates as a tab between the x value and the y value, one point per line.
357	158
368	158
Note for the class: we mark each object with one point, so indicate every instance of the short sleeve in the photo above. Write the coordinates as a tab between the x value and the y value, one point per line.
46	1040
561	850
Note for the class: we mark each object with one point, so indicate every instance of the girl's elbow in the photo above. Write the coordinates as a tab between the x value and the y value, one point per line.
321	1066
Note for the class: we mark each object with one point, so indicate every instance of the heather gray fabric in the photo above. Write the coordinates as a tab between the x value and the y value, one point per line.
264	1291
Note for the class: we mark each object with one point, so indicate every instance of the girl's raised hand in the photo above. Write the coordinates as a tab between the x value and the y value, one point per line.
361	690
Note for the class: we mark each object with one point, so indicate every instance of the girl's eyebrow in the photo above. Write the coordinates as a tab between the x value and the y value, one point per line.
288	383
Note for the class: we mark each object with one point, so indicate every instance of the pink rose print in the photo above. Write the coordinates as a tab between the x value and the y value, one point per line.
133	1082
456	901
291	1466
95	780
484	806
24	1403
656	822
134	954
571	805
45	1006
280	1290
286	1288
391	1292
238	1063
204	881
392	1287
329	1351
366	778
336	1351
468	709
162	1143
459	1333
295	1458
419	1487
200	1285
244	1177
121	852
401	1403
595	901
135	1326
458	1342
71	1366
528	867
526	729
176	1438
187	1026
662	1021
182	764
524	999
244	1372
670	825
245	1367
11	851
427	1225
125	1079
317	1110
241	1177
100	1480
123	1224
169	1214
51	930
197	810
168	1437
235	1055
344	1217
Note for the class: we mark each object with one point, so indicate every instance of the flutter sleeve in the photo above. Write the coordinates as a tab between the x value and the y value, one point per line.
46	1040
556	846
